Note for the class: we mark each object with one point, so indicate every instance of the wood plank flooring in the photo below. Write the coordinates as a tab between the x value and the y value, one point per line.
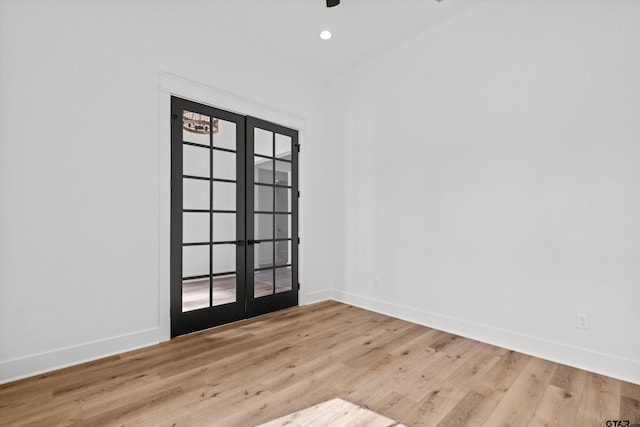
336	413
260	369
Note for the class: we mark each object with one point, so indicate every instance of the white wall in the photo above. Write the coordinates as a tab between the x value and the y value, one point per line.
493	179
80	167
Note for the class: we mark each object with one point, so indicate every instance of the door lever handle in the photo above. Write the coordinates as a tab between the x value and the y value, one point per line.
240	242
251	242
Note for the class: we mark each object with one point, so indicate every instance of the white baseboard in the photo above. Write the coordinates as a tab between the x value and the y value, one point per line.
317	296
15	369
588	360
605	364
23	367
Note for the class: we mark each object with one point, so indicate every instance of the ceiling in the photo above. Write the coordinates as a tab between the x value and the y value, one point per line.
288	30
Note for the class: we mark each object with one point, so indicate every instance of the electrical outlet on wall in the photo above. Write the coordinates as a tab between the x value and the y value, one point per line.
582	320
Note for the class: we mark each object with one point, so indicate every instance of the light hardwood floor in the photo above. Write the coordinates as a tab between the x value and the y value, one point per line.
260	369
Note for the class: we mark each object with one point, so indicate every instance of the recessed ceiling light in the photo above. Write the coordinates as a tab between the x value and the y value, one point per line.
325	35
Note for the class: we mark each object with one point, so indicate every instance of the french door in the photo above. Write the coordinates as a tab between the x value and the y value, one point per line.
234	216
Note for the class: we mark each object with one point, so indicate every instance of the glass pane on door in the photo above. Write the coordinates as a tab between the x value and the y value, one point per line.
224	165
263	226
283	279
263	269
224	289
263	170
283	253
283	146
263	283
195	294
195	194
282	173
283	199
223	267
225	137
223	226
195	161
263	198
263	142
224	196
195	281
195	227
283	226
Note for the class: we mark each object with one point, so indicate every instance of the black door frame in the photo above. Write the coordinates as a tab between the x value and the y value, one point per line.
277	301
246	305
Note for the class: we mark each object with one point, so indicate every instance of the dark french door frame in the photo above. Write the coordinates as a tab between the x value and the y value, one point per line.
278	301
245	305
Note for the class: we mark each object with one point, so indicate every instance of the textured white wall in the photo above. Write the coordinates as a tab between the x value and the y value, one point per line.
493	179
79	167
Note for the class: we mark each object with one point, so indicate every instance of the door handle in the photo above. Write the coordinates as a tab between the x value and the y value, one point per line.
250	242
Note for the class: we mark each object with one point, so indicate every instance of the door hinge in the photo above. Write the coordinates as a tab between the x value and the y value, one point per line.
298	194
298	146
298	240
298	286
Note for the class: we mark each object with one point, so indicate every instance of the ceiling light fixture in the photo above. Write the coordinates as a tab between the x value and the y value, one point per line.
198	123
325	35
